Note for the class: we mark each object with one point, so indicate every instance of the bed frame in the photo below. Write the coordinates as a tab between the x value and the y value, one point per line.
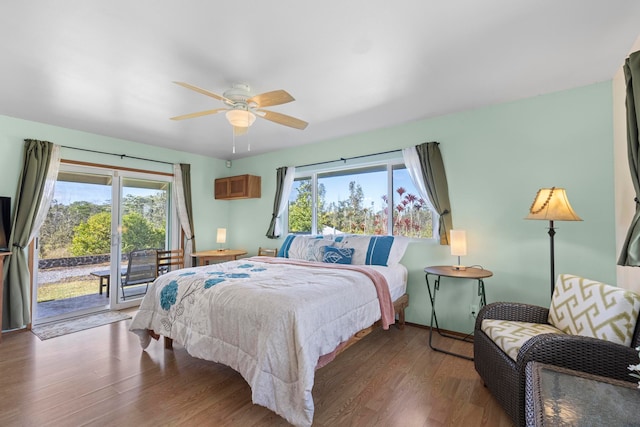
399	306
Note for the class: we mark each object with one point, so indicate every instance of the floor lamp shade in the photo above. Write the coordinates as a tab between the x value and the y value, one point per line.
552	204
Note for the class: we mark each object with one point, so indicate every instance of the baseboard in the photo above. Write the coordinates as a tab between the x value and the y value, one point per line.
445	331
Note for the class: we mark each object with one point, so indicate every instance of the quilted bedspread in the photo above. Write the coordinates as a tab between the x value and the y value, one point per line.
268	321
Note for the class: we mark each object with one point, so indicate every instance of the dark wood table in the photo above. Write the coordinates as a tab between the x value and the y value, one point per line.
440	271
105	277
558	396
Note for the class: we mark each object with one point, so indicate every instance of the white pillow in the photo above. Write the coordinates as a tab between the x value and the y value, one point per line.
308	248
398	249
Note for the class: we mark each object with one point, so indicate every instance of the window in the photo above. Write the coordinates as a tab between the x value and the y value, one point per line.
357	200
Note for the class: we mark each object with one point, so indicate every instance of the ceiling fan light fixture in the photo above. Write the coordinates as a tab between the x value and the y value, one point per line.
241	118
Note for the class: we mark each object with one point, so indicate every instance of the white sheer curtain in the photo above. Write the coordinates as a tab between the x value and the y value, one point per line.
183	216
47	193
412	162
284	197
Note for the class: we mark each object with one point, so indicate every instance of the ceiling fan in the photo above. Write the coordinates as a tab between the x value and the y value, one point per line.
243	107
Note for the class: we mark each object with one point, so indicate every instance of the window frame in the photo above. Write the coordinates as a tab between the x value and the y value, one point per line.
313	172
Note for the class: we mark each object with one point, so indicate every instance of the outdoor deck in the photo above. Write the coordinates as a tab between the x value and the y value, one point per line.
47	309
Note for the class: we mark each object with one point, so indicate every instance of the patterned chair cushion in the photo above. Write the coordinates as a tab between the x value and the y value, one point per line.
585	307
511	335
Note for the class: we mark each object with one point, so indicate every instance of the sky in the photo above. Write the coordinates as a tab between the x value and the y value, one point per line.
69	192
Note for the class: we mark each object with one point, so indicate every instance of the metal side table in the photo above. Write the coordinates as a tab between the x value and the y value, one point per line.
473	273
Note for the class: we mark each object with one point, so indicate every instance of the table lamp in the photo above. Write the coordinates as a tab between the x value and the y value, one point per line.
458	246
552	204
221	237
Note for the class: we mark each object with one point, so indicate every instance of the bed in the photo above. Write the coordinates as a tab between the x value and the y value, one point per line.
276	320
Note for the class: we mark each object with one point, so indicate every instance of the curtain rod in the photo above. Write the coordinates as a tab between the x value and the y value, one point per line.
344	159
122	156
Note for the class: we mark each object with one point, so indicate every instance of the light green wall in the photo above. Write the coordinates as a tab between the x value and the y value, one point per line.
207	211
496	158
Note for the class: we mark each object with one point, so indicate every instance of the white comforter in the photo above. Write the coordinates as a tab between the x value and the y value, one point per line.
269	322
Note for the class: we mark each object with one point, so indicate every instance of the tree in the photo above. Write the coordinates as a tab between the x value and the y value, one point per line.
348	215
56	233
139	233
152	207
300	210
92	237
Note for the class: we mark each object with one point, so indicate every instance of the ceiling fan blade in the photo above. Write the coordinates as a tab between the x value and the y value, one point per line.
238	131
283	119
203	91
268	99
199	114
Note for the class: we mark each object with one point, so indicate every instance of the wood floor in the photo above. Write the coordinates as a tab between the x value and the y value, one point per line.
101	377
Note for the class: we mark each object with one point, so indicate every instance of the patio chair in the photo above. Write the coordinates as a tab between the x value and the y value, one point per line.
141	270
167	260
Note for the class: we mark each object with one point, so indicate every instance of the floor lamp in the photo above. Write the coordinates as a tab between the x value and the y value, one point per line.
552	204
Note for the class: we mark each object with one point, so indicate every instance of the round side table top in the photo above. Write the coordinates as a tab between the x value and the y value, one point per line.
450	271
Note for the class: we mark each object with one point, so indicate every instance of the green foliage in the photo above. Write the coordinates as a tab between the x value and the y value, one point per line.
84	228
300	210
57	231
152	208
138	233
92	237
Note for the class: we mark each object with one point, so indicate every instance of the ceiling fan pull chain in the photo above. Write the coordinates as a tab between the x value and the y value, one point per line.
233	132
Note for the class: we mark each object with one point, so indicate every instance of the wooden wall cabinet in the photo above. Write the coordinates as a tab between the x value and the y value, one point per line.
238	187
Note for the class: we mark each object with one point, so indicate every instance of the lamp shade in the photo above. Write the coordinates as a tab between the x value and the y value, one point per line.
241	118
458	243
222	235
552	204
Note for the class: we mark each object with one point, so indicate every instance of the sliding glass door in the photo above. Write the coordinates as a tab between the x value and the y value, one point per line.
143	225
98	218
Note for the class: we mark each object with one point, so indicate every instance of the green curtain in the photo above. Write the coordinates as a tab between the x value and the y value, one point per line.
17	295
186	188
280	174
630	253
435	180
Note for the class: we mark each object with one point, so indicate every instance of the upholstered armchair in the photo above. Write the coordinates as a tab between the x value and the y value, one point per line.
589	327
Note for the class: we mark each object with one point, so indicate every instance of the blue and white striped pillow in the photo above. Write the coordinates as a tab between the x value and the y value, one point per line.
373	250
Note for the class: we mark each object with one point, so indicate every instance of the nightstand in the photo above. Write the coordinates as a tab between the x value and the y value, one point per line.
440	271
205	257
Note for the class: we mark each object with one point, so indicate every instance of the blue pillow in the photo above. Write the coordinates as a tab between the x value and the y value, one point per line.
337	255
378	250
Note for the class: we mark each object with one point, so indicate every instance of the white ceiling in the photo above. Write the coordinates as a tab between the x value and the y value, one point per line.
107	67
